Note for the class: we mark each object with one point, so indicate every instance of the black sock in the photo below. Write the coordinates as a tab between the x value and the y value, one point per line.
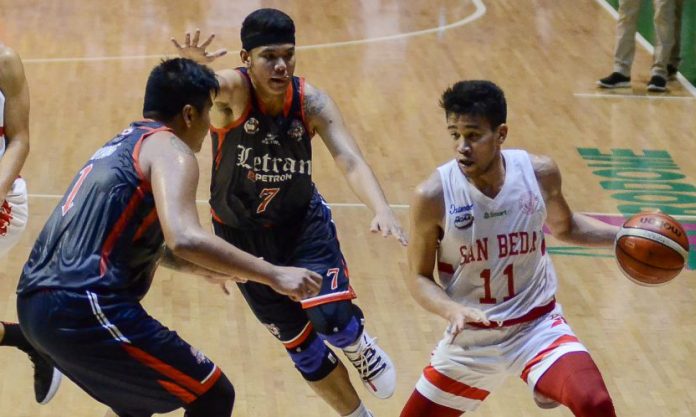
15	337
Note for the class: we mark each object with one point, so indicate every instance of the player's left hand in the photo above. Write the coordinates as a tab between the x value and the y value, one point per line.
192	50
388	224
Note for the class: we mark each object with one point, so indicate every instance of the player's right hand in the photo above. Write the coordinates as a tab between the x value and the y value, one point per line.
460	315
191	50
296	283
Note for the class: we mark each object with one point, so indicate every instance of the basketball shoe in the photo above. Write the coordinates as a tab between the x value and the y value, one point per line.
46	377
374	366
615	80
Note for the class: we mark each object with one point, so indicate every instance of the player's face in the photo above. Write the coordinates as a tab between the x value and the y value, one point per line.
476	144
272	67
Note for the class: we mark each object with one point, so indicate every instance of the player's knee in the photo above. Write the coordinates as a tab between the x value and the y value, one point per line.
339	323
218	401
595	403
313	359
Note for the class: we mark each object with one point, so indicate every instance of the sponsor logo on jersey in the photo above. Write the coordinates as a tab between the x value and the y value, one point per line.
491	214
251	126
270	139
464	221
454	209
296	130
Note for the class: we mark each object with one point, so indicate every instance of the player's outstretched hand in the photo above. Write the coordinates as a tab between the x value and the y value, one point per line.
296	283
459	316
388	224
192	50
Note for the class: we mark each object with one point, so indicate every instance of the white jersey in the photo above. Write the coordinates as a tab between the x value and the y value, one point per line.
2	124
493	253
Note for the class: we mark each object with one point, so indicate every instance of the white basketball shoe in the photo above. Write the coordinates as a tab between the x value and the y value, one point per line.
374	366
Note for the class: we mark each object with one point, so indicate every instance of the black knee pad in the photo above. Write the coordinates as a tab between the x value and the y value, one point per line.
216	402
313	359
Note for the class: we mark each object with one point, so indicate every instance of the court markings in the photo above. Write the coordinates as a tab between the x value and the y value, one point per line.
478	13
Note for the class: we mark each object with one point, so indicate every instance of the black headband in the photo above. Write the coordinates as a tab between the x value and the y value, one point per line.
255	40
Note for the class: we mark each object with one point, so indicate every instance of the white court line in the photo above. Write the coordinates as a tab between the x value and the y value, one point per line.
359	205
480	11
644	42
633	96
395	206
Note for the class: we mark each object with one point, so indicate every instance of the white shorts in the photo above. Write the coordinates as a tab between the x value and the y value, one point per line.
464	371
17	209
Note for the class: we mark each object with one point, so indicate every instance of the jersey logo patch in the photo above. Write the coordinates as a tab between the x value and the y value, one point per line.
270	139
464	221
529	203
296	130
251	126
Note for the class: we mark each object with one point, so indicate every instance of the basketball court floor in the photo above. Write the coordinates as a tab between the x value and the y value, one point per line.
385	62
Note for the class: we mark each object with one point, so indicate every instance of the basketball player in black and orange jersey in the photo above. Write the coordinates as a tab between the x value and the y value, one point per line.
79	294
265	202
14	148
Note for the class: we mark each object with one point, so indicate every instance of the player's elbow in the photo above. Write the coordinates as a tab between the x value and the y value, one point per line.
183	243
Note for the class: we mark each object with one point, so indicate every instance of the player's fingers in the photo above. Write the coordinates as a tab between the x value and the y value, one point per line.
196	37
207	41
217	54
176	43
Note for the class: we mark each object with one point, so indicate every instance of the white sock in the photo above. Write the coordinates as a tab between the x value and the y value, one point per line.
361	411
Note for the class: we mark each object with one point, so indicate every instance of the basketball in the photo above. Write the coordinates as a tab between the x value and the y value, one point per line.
651	248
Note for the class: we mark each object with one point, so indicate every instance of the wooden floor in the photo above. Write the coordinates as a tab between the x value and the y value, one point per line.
87	62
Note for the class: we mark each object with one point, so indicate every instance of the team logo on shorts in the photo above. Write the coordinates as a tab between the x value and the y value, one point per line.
5	217
530	203
251	126
275	331
200	357
296	130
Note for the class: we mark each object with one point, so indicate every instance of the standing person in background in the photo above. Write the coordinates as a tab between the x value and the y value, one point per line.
479	221
667	21
264	201
14	148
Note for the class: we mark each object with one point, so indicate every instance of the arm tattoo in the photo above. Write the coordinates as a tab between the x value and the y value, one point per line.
314	103
180	145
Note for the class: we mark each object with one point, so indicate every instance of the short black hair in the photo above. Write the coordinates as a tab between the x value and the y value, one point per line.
476	98
175	83
266	22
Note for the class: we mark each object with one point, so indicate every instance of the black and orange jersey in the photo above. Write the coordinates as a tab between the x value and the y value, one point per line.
262	167
104	234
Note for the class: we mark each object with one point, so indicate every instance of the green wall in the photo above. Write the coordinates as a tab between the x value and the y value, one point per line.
688	33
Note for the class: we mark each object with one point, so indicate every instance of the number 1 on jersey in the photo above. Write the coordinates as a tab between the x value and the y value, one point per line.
267	195
486	276
69	201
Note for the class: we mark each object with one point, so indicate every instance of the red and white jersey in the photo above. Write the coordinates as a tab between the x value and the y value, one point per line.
493	253
2	124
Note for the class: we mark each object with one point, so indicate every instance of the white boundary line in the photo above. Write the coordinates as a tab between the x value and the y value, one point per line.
644	42
480	11
632	96
395	206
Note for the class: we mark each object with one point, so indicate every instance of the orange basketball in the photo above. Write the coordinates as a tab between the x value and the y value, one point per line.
651	248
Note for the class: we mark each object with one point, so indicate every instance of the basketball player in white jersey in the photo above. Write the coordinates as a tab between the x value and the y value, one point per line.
14	147
479	219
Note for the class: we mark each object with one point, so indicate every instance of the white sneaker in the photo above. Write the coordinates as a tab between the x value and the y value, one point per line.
374	366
